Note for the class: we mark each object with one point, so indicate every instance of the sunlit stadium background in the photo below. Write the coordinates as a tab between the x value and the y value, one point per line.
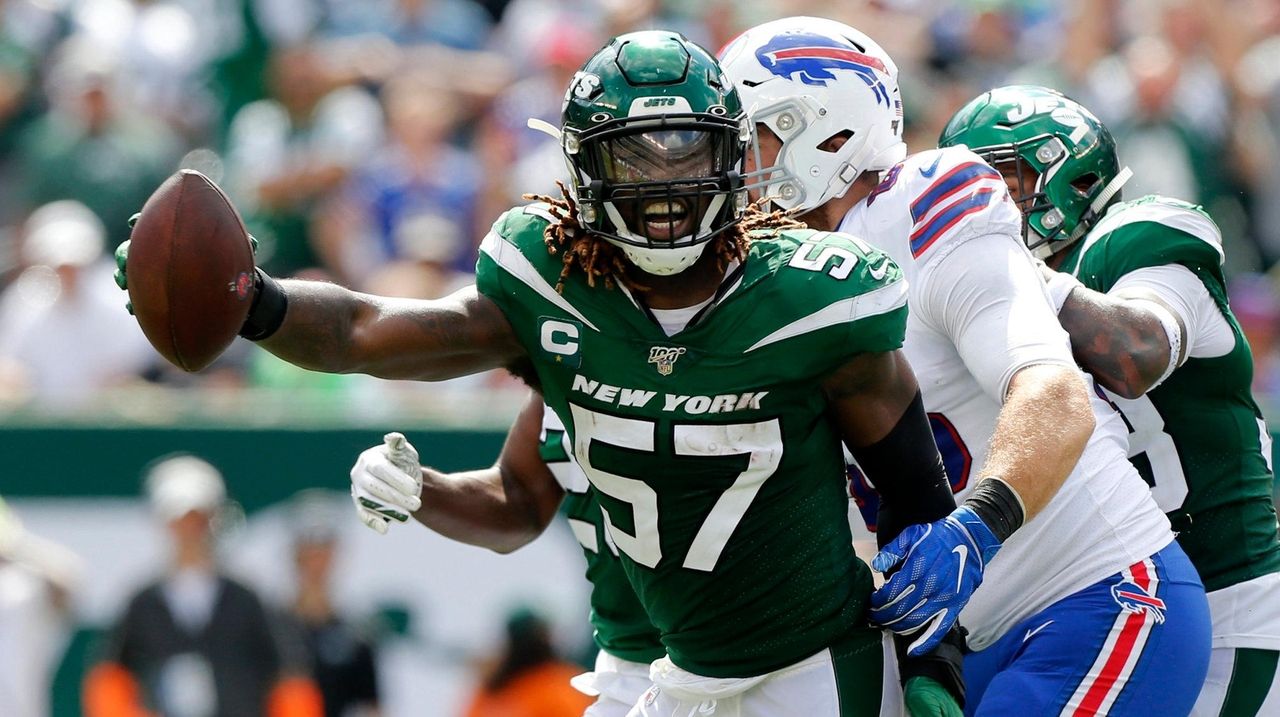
372	142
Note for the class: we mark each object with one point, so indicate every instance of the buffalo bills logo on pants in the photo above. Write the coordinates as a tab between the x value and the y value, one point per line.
811	59
1133	598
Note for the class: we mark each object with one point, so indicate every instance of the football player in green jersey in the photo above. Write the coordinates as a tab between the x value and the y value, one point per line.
506	506
1139	286
706	375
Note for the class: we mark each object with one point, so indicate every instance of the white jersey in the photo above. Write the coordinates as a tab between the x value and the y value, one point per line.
979	313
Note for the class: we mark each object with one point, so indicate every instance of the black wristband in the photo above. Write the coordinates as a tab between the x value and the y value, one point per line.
944	664
998	506
267	311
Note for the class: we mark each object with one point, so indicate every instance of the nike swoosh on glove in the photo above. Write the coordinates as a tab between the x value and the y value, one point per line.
933	571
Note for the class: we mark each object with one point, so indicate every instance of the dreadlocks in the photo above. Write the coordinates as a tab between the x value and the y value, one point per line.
599	259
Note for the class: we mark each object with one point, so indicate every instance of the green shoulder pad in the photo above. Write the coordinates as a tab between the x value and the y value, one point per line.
514	259
521	229
1151	231
826	279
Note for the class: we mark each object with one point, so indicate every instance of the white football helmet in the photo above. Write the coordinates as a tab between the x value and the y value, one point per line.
808	79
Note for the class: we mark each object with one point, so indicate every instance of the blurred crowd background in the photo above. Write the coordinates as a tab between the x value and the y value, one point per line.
372	143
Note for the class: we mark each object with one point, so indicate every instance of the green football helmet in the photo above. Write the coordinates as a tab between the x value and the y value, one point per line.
1063	157
654	135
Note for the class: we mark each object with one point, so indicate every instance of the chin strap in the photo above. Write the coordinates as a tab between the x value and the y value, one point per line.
1099	203
1113	187
544	127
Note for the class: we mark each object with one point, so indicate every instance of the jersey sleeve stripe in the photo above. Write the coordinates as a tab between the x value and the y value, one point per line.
873	303
924	237
505	255
948	184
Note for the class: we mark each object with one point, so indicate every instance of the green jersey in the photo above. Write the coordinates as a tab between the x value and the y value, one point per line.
719	475
1198	438
622	627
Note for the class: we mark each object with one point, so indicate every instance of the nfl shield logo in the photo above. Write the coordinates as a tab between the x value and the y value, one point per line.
664	357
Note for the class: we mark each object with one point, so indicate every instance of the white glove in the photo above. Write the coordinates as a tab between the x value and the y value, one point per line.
386	483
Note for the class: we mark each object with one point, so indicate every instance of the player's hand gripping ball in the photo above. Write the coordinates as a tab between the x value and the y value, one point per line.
189	270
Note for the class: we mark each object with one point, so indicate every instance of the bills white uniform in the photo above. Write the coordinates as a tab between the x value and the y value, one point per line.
978	314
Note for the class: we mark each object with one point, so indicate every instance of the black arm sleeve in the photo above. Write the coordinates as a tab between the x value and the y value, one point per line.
906	470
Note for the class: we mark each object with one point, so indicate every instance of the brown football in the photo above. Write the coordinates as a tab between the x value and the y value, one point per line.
190	270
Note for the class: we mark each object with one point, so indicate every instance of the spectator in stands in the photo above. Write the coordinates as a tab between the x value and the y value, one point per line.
528	679
196	643
412	203
1257	82
63	333
37	578
286	155
27	30
167	49
92	146
517	159
1255	302
342	658
459	24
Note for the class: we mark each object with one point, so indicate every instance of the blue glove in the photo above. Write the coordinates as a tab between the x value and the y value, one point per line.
938	566
927	698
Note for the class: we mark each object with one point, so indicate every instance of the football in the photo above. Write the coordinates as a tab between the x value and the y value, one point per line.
190	270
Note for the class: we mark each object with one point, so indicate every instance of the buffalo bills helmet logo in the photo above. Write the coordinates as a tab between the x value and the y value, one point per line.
811	58
1135	599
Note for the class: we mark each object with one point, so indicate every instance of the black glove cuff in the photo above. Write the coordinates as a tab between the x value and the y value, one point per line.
267	311
998	506
944	664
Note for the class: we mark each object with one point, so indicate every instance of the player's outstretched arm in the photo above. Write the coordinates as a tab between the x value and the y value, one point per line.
501	508
328	328
325	327
876	402
1129	340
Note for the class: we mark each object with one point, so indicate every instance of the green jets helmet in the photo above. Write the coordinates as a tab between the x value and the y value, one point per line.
654	135
1064	159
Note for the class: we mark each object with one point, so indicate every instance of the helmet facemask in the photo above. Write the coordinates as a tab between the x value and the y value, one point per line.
784	183
1057	209
660	188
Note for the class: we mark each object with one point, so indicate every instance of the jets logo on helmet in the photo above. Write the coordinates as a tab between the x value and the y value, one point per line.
811	58
1060	156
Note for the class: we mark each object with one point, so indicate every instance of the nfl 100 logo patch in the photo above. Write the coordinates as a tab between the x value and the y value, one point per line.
664	357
